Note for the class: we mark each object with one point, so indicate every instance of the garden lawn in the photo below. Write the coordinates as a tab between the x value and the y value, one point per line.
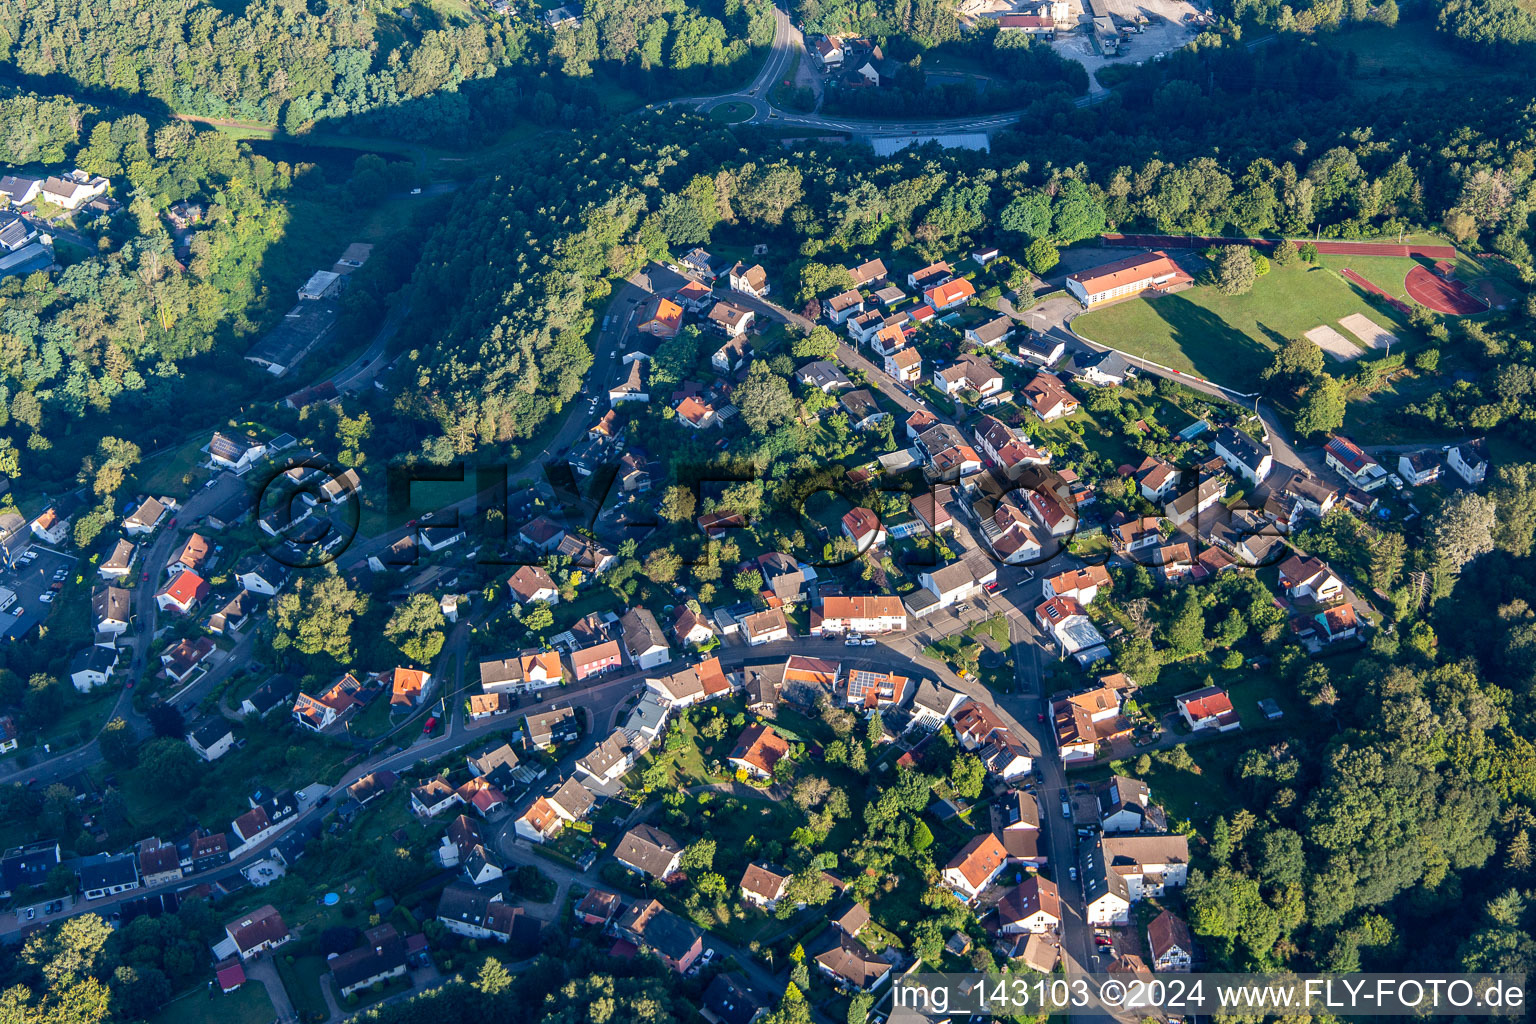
301	979
246	1005
1231	339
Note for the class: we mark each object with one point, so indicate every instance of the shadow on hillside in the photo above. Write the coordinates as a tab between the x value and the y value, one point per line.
1213	347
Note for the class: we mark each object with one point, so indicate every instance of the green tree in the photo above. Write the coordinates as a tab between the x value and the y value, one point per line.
677	504
820	343
968	776
415	628
538	617
1322	407
1041	257
117	744
1186	631
169	765
1235	270
764	399
699	855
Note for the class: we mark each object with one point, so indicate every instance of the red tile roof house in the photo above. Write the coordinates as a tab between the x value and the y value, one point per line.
260	930
1305	578
974	866
1083	584
597	659
1208	708
1169	942
874	613
183	593
597	908
864	528
757	750
182	660
531	583
647	850
762	886
1033	907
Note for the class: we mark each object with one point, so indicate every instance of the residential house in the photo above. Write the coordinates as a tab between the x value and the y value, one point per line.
181	659
765	627
643	638
530	583
1124	278
27	866
1196	501
1106	893
868	275
869	615
1041	349
257	932
847	961
10	736
958	581
863	527
905	365
191	556
433	797
19	189
874	688
1082	585
183	592
320	712
225	451
381	957
631	389
372	786
1157	480
757	750
971	373
1170	944
119	563
1048	398
929	509
1103	369
823	375
269	696
1082	720
1307	578
694	296
651	926
466	911
1051	512
597	908
459	842
51	527
111	608
1137	538
261	574
751	280
934	704
551	728
1034	907
541	533
407	687
647	850
930	276
663	318
1352	463
1243	455
695	413
1150	865
212	739
691	684
690	627
862	409
844	305
730	1000
70	191
1420	467
596	659
589	555
1125	805
611	759
974	866
1207	708
92	667
159	863
950	294
946	454
1470	461
700	262
762	886
1174	562
992	333
733	322
1066	621
1337	623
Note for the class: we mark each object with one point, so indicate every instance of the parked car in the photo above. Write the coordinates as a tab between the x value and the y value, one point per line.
431	724
868	641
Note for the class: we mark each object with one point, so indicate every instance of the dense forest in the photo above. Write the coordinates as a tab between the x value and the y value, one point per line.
381	68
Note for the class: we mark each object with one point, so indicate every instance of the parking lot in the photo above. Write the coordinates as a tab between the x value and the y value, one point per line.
29	582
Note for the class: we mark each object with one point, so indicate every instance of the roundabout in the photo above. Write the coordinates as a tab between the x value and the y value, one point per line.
733	112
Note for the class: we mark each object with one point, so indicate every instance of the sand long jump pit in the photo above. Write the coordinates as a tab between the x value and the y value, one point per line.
1372	334
1334	343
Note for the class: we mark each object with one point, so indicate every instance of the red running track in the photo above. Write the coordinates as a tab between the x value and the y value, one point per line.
1324	246
1440	295
1398	304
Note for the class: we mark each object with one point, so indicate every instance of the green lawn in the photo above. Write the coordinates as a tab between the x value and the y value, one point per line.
1230	339
301	979
246	1005
1410	55
732	113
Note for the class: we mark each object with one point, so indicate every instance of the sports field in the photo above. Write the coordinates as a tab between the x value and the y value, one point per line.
1231	338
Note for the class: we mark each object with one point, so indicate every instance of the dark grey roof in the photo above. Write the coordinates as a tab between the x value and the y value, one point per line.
1241	447
648	849
103	871
14	232
96	658
1109	362
211	731
112	603
731	1000
273	692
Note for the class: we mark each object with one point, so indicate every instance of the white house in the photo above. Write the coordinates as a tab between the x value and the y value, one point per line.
974	866
1470	461
1352	463
1208	708
1419	468
92	667
1243	455
50	527
644	640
